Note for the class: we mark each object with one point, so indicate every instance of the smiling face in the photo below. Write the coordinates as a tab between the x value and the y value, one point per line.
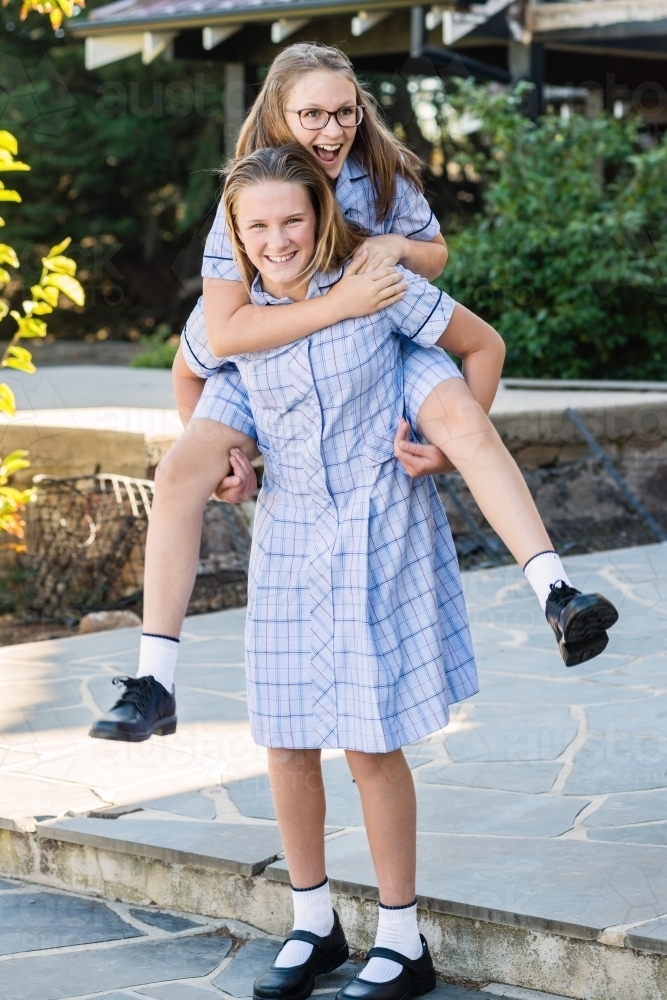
276	223
327	91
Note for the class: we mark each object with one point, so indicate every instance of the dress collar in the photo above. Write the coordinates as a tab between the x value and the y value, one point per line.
319	284
348	186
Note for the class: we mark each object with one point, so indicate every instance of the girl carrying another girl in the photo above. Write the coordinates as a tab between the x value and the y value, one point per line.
356	634
312	96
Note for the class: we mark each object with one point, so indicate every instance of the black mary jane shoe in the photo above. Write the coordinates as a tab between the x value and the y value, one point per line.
145	708
296	982
416	978
579	622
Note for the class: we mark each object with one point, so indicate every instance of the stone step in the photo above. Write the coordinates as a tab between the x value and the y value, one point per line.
543	915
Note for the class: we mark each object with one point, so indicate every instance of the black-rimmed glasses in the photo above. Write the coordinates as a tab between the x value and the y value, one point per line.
314	118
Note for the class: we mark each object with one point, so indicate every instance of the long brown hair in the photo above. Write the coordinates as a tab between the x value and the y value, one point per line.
335	239
376	148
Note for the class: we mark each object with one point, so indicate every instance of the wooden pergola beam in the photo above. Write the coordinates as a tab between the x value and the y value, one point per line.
542	18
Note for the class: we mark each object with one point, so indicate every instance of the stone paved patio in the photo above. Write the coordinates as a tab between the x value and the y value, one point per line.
56	946
543	803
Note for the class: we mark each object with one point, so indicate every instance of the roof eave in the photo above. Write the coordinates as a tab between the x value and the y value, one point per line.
314	8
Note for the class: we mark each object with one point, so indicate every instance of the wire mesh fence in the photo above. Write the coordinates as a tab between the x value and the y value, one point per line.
86	538
581	505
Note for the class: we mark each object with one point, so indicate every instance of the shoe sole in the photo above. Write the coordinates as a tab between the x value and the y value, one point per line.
163	727
593	616
574	653
340	958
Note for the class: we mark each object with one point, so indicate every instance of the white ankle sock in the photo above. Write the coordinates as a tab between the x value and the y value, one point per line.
542	571
397	929
157	656
312	912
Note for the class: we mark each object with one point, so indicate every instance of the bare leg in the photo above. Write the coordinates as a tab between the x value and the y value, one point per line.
184	481
390	813
298	796
453	421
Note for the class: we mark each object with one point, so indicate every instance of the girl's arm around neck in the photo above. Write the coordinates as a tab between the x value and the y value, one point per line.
234	325
424	257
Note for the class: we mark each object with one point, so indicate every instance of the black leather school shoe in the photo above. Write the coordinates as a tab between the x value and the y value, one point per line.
580	622
297	982
145	708
415	978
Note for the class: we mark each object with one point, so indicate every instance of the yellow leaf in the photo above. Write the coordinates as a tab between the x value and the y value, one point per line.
20	366
7	400
8	141
8	255
7	164
29	327
68	286
58	249
32	308
14	462
6	195
2	221
42	294
4	308
21	354
5	276
59	264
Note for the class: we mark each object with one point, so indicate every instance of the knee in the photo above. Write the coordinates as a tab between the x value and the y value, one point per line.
373	766
452	407
172	471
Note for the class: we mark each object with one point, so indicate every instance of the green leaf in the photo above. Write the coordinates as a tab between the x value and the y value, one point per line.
68	286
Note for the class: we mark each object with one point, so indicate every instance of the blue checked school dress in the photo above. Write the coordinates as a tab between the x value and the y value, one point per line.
224	398
357	635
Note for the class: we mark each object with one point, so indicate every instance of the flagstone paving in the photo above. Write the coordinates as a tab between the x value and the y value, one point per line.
545	797
177	958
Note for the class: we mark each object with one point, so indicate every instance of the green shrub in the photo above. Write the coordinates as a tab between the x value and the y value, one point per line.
568	258
160	351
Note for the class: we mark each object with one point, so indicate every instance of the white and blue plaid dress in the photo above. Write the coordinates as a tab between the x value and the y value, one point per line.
357	635
224	398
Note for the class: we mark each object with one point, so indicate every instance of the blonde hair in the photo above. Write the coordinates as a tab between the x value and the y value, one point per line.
335	239
376	148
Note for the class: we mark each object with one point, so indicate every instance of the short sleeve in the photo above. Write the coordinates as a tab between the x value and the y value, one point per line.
423	313
218	259
194	345
225	400
412	216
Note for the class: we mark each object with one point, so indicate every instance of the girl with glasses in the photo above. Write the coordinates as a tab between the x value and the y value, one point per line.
376	182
